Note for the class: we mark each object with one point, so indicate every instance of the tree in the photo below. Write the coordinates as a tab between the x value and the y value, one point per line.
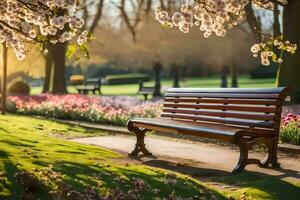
133	22
289	71
224	71
157	67
48	68
4	75
49	23
175	72
58	61
233	75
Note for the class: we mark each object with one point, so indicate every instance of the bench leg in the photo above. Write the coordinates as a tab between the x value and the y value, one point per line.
246	144
140	143
243	157
271	157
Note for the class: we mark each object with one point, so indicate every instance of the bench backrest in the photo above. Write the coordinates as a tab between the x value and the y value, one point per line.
93	81
144	89
253	109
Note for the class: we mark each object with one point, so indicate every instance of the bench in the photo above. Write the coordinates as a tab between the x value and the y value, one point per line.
244	117
145	90
91	84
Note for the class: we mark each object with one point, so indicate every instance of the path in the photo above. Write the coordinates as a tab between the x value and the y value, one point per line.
194	158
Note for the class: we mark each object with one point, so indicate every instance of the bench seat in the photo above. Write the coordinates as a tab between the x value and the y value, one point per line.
190	128
87	87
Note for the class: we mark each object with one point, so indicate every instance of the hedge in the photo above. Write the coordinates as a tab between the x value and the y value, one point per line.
126	79
264	72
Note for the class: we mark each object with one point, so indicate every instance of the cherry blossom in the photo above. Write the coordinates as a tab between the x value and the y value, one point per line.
42	21
266	50
218	16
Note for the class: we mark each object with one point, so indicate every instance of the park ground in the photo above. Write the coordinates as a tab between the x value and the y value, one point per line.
37	160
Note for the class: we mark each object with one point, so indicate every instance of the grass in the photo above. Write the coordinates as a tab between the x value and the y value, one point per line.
33	162
257	186
131	89
35	159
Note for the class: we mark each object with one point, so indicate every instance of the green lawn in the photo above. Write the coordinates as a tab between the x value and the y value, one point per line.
131	89
37	162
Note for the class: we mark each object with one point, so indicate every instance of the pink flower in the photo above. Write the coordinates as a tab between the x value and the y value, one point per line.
113	110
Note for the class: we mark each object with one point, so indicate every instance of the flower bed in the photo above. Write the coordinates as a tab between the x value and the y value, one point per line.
290	129
107	110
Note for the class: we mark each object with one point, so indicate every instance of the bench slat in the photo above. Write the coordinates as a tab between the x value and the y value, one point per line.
225	101
249	123
222	107
162	124
277	90
225	95
256	116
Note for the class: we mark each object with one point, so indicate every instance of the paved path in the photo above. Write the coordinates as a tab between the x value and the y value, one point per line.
206	158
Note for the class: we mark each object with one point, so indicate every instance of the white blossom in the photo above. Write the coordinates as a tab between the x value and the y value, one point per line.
217	16
24	20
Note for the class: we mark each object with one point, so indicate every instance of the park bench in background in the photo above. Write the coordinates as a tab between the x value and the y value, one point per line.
145	90
244	117
91	84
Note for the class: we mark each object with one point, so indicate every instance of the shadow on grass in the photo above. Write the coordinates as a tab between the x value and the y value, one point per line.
78	175
18	184
18	144
266	186
81	176
270	187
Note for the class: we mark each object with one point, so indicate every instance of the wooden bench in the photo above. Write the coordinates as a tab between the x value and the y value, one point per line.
244	117
145	90
91	84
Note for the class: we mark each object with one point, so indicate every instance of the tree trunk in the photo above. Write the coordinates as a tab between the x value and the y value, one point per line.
4	77
48	68
289	71
224	77
59	58
276	24
233	75
175	73
157	67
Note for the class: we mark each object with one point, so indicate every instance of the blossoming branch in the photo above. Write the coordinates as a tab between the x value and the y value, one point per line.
218	16
43	21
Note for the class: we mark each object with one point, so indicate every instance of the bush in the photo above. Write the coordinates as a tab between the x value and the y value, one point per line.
290	129
126	78
103	70
19	88
76	79
264	72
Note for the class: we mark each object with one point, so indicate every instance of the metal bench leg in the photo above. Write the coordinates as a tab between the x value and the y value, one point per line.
140	143
246	144
243	157
271	157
